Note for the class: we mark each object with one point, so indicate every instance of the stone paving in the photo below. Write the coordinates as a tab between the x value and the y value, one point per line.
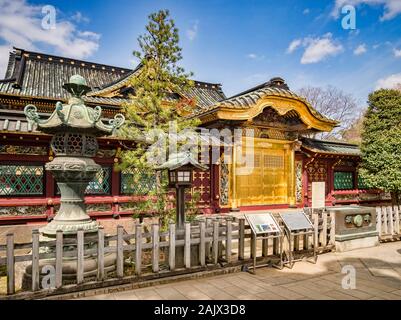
378	276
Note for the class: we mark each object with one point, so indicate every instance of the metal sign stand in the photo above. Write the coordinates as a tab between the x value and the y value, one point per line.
277	235
301	226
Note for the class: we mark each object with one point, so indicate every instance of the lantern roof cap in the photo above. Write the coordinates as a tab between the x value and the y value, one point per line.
75	115
181	159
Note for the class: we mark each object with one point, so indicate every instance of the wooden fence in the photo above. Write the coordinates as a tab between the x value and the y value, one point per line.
388	222
214	242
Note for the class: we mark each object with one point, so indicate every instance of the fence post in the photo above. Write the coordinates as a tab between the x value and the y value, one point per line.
202	252
35	260
138	249
208	244
10	264
155	247
379	221
397	219
187	245
80	256
332	228
215	249
171	254
391	221
385	222
229	240
120	252
253	245
241	239
59	259
316	226
324	230
100	254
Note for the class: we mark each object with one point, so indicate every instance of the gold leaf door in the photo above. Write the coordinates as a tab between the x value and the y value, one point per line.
267	183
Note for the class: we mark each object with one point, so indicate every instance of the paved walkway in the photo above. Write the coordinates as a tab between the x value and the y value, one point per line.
378	276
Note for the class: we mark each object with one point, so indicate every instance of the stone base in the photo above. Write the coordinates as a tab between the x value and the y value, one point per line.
357	243
70	269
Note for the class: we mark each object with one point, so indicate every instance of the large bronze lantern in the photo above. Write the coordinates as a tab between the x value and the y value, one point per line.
180	168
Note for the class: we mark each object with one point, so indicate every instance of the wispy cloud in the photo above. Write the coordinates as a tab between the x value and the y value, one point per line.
255	56
21	26
306	11
192	32
392	8
316	49
361	49
390	82
397	53
79	17
294	45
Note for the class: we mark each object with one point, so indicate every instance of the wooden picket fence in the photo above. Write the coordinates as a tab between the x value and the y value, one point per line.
388	222
218	241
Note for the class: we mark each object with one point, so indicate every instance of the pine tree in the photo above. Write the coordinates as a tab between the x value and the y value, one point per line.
160	97
381	142
160	91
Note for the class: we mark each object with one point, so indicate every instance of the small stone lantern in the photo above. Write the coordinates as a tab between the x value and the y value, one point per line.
180	171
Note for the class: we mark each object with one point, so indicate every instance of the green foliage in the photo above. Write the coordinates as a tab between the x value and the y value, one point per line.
160	87
381	142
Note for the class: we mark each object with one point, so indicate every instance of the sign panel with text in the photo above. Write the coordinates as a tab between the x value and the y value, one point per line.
262	223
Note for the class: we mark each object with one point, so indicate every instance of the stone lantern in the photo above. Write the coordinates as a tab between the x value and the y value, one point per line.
75	128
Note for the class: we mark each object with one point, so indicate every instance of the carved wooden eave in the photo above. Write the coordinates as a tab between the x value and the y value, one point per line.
282	105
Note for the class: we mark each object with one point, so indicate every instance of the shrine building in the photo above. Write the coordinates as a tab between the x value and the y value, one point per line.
286	162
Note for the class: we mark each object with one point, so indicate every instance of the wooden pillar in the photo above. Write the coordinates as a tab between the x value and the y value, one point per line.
234	201
291	175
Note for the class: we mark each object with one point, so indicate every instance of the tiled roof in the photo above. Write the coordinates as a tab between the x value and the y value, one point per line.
32	74
249	98
324	146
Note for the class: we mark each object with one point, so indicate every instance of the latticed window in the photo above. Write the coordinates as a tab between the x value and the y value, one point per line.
21	180
362	183
101	184
343	180
137	182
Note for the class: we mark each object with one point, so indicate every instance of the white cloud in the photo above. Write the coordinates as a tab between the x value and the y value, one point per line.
361	49
255	56
21	26
318	49
306	11
397	53
389	82
193	31
392	8
294	45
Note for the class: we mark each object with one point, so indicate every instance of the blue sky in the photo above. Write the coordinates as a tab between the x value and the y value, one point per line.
238	43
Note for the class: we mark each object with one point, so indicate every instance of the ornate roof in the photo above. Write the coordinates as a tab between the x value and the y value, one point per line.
39	75
331	147
274	87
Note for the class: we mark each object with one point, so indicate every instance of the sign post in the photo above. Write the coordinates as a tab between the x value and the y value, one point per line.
264	226
297	224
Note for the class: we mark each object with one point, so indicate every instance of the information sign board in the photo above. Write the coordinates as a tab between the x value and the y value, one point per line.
296	221
262	223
